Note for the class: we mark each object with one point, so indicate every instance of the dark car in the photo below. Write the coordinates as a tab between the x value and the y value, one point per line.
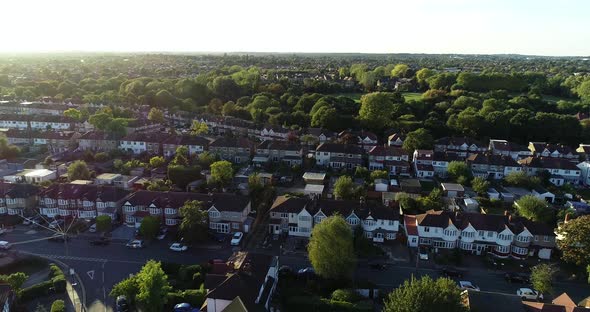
378	266
59	238
521	278
121	304
183	307
450	272
103	241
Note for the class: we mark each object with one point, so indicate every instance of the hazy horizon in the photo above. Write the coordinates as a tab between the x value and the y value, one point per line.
481	27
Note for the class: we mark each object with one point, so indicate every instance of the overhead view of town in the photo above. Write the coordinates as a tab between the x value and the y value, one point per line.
295	168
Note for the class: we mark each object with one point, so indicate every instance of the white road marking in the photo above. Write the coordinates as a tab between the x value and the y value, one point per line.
91	274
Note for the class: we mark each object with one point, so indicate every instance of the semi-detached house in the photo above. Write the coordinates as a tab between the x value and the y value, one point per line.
195	144
492	166
390	158
141	142
297	216
339	156
560	169
502	236
17	198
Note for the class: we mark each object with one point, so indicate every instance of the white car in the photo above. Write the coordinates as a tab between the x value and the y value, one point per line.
237	239
529	294
136	243
92	228
466	285
5	245
178	247
423	253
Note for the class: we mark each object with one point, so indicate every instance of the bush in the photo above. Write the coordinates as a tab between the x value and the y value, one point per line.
35	291
59	283
187	272
195	297
171	269
58	306
345	295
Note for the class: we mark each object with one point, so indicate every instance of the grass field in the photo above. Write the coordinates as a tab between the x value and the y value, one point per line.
357	96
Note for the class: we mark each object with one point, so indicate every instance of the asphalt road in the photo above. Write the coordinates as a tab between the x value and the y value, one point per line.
100	267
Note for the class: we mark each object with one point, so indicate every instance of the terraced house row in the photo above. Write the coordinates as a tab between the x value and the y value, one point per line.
227	212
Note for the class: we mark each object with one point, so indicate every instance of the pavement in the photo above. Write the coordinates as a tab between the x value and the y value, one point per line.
100	267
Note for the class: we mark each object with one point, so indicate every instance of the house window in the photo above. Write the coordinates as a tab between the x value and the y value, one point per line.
468	234
369	222
319	219
426	229
519	250
214	214
481	233
391	222
449	232
369	234
391	236
353	221
490	234
235	226
505	237
293	229
304	218
414	239
536	238
284	215
502	249
523	239
170	211
546	238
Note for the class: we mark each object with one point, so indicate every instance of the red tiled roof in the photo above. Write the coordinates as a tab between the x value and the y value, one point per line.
410	224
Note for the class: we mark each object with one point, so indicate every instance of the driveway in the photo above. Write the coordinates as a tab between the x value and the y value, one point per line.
123	232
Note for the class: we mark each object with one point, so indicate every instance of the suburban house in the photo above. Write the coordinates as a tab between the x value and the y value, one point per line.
396	139
228	213
441	160
247	283
36	122
452	190
339	156
56	141
141	142
505	148
584	151
364	139
81	201
141	125
274	133
195	144
17	136
237	149
561	303
560	169
97	141
492	166
423	163
390	158
502	236
321	135
461	146
584	172
542	149
18	198
278	151
296	217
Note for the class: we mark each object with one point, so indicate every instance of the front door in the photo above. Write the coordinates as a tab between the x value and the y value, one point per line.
478	249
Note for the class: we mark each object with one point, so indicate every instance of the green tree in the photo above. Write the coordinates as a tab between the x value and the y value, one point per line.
194	221
331	250
100	120
156	115
153	287
198	128
533	208
425	295
256	189
418	139
400	71
542	278
222	172
422	75
15	280
101	157
517	178
149	227
576	239
361	173
103	223
157	161
584	90
7	151
379	174
344	188
377	109
73	113
457	169
78	170
58	306
127	287
206	159
407	203
480	185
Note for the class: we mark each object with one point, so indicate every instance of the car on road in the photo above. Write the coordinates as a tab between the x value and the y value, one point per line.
103	241
513	277
178	247
92	228
59	238
529	294
162	234
183	307
467	285
308	272
5	245
450	272
237	239
121	304
135	244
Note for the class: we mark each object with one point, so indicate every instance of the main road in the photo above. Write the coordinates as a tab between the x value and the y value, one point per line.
100	267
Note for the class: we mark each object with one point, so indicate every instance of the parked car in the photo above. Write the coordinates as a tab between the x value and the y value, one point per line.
178	247
529	294
183	307
423	253
5	245
467	285
2	231
92	228
121	304
513	277
217	237
103	241
162	234
61	238
450	272
135	244
56	224
237	239
285	269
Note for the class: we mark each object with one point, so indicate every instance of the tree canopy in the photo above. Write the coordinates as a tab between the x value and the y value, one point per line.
78	170
425	295
331	250
533	208
194	221
575	241
222	172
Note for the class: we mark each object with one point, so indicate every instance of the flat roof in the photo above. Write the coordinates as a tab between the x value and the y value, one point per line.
452	187
37	172
107	176
314	176
314	188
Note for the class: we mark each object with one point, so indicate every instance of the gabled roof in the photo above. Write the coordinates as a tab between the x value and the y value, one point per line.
432	218
458	141
289	204
548	163
186	140
146	137
279	145
231	142
340	148
495	160
380	150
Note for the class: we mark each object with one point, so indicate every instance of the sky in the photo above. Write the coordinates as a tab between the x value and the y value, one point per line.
541	27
